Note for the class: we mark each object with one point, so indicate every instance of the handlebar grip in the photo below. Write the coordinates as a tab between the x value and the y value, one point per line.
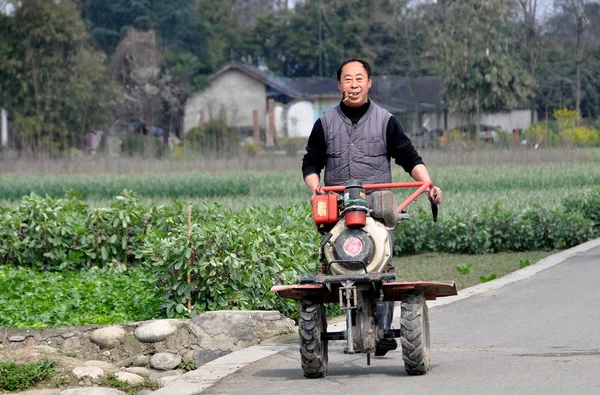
434	210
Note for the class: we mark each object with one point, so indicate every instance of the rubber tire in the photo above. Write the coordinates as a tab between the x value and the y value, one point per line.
415	334
313	349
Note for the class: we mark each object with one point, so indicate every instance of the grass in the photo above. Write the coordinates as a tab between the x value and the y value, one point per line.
15	376
447	267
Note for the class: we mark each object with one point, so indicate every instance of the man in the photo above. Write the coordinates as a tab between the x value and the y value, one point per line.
355	140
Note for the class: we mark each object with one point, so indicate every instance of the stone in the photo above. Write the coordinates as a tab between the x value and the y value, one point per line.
46	349
109	337
16	338
139	371
92	391
140	360
88	372
41	392
156	331
144	392
165	361
129	378
107	367
155	376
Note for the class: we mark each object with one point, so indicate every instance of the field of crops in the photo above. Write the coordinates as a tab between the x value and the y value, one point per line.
466	188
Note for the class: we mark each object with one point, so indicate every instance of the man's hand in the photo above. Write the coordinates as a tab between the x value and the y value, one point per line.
313	183
437	195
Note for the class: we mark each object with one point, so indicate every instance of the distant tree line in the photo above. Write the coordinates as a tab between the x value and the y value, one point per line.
70	65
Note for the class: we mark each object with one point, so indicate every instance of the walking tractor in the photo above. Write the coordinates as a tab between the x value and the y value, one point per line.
357	222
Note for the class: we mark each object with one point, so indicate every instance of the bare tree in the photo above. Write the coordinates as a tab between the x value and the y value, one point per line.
575	9
532	42
148	92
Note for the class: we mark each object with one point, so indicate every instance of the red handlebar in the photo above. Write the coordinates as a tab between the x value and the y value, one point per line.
422	185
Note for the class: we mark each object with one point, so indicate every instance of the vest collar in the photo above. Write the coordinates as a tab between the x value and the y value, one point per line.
362	120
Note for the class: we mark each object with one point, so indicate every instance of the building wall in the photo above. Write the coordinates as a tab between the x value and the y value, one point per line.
231	97
300	119
507	120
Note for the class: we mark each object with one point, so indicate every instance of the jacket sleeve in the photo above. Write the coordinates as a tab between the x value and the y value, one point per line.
400	147
315	158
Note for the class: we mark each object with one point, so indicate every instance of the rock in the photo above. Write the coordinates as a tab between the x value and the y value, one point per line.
124	363
139	371
156	331
47	349
155	376
106	354
41	392
92	391
16	338
129	378
140	360
144	392
88	372
107	367
165	361
108	337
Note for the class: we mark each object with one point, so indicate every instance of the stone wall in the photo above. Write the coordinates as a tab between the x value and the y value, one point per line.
160	344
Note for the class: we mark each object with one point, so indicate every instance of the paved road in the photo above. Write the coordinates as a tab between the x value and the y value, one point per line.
540	335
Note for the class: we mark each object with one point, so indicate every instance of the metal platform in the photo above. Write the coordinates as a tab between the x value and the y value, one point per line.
392	291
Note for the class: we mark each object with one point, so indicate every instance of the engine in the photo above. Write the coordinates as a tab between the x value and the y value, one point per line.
356	229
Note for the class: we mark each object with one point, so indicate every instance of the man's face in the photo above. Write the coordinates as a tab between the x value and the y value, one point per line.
355	82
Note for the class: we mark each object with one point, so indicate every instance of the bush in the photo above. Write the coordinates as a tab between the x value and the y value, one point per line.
581	137
495	230
234	259
150	146
292	145
213	137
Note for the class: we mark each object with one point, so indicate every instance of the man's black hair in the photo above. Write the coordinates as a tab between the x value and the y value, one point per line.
365	65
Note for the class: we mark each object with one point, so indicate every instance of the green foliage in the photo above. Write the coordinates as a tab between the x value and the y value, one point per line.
524	263
54	86
113	382
470	52
214	137
233	260
170	186
187	365
116	294
464	269
135	144
20	377
496	230
485	279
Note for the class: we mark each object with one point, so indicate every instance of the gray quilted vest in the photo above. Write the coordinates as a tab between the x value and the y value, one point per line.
356	151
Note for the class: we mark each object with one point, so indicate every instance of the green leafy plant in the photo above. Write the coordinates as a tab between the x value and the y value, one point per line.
22	376
464	269
485	279
524	263
187	365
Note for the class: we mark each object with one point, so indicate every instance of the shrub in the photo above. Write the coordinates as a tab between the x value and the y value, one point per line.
150	146
212	137
233	260
292	145
581	137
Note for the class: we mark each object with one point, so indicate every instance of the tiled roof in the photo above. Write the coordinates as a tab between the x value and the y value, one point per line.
390	90
279	84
